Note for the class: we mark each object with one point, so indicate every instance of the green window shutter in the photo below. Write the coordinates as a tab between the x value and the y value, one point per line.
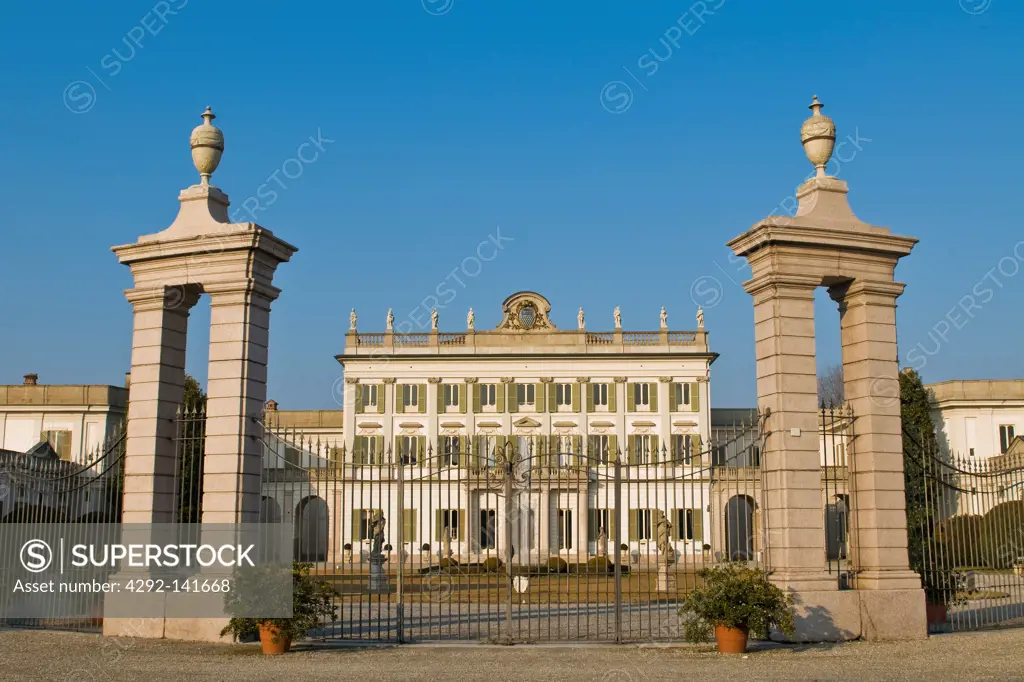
477	390
382	392
421	399
678	529
592	528
438	524
499	390
694	397
698	525
695	446
539	395
590	396
513	397
576	397
634	530
359	399
673	398
380	447
613	445
654	388
462	525
357	516
463	397
654	450
613	522
577	442
421	450
357	449
399	398
409	525
440	398
630	398
552	397
613	390
631	447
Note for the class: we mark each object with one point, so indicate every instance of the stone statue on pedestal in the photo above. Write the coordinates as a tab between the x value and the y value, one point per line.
352	320
390	320
470	320
665	539
602	542
433	319
379	524
446	544
579	319
618	317
700	317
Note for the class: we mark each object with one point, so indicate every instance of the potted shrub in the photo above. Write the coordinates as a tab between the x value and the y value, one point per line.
736	601
707	549
312	601
348	552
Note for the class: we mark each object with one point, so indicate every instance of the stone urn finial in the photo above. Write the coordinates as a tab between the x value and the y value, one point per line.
207	143
818	136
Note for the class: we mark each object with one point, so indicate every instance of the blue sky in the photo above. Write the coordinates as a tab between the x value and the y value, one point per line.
452	119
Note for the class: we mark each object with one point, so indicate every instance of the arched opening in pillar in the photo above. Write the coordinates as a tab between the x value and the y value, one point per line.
739	527
828	349
270	510
311	526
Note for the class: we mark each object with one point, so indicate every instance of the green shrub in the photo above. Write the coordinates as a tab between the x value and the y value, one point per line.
1002	534
557	564
958	543
738	597
448	563
493	565
600	564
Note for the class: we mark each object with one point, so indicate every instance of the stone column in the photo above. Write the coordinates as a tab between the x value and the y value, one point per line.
791	463
158	379
236	392
871	382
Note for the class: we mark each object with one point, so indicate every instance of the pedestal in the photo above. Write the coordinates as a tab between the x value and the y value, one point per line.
378	577
666	577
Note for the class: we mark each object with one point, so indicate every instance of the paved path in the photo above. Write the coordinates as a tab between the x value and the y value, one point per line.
42	655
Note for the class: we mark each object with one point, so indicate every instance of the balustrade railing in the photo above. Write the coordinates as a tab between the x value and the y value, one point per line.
641	338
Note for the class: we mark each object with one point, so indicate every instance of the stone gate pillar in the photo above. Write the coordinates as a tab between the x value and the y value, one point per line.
825	244
201	252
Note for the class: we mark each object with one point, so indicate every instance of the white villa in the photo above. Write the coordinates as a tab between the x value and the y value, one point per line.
978	418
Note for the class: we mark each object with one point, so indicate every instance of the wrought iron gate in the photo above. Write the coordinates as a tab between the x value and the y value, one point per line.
969	535
524	539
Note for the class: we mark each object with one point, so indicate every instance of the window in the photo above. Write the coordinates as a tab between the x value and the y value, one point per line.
682	394
526	394
365	519
600	449
642	445
451	395
408	449
60	441
600	393
684	524
448	522
292	456
642	395
563	394
682	449
565	529
1005	437
488	528
368	395
410	395
368	450
564	450
485	449
451	451
488	395
598	522
642	525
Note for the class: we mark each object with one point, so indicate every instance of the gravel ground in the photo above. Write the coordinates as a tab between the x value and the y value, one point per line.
44	655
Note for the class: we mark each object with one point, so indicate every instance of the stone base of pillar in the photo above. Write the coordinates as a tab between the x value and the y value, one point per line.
666	577
378	578
143	628
196	629
874	615
888	615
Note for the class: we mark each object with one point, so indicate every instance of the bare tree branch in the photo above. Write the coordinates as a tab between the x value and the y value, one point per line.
830	387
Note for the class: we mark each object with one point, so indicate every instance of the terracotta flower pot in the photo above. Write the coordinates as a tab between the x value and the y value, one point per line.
272	642
936	613
731	640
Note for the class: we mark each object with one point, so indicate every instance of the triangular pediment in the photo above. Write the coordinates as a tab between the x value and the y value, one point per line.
526	422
